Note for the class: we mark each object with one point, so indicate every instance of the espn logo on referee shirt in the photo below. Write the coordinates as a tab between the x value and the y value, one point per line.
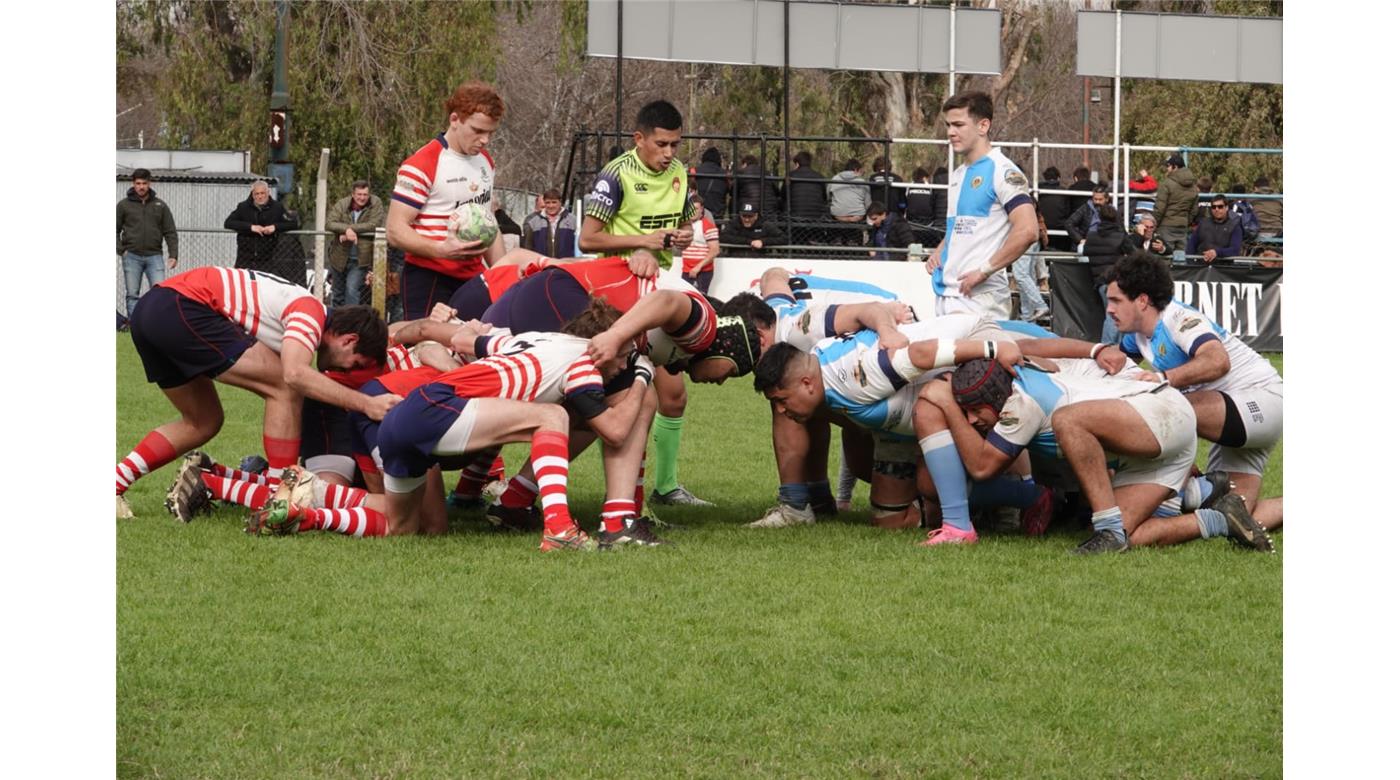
657	221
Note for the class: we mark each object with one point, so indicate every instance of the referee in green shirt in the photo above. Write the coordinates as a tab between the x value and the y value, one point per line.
640	201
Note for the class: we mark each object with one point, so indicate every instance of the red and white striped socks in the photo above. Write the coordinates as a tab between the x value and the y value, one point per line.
615	513
549	454
153	452
357	521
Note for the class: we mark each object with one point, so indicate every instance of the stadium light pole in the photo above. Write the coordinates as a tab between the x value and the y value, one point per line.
279	155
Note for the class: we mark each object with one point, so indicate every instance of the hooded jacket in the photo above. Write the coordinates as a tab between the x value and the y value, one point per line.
1176	199
142	224
850	197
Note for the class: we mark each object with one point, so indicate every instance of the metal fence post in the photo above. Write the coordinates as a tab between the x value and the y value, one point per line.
381	269
319	250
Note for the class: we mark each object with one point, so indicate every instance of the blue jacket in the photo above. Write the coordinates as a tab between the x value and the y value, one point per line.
556	243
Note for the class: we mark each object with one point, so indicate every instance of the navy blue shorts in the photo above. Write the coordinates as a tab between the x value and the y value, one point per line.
364	432
542	302
325	429
179	339
472	299
413	428
421	287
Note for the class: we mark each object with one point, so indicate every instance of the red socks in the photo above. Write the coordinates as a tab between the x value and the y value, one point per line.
615	511
281	453
521	492
153	452
549	454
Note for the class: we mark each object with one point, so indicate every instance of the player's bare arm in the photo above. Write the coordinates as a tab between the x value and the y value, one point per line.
1024	232
593	237
1210	362
881	317
929	354
298	373
616	424
399	228
979	457
665	309
1109	357
932	262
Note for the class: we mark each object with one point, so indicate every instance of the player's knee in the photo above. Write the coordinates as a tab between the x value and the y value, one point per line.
552	417
1066	421
208	425
928	418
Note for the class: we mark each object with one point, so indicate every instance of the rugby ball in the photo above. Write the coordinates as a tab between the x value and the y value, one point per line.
473	222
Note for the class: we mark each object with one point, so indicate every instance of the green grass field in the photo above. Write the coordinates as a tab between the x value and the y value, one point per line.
832	650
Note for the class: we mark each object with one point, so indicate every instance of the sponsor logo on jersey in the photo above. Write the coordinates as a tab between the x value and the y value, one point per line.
1015	178
976	182
657	221
805	323
640	186
859	371
601	186
405	183
1189	323
1008	419
600	198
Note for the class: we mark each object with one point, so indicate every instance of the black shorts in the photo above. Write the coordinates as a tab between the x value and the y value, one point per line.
179	339
325	429
421	288
472	299
542	302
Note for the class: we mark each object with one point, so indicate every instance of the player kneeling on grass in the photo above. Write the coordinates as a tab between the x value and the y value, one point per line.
251	330
511	396
877	388
1148	425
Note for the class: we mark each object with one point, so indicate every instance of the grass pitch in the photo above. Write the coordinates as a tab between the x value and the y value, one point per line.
832	650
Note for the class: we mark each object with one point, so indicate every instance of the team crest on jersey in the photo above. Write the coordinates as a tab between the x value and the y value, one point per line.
804	323
1189	323
859	371
1015	178
675	184
976	182
1008	419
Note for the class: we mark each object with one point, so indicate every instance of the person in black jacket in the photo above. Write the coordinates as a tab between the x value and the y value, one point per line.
806	197
890	230
1086	218
711	182
747	235
927	225
1107	242
749	188
1055	209
260	222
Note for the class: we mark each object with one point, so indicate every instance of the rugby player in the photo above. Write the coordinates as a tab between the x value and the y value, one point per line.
1236	394
991	218
877	388
639	201
452	169
1080	417
251	330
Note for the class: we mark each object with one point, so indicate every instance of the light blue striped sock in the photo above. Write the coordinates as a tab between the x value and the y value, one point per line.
949	478
1110	519
1212	523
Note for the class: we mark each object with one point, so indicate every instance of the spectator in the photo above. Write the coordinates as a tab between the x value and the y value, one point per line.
806	196
143	221
748	236
1205	186
890	230
1055	209
259	222
698	259
1269	212
1104	245
711	181
1086	218
750	188
850	198
1175	202
1145	236
551	230
1219	238
880	180
353	220
1083	182
1143	183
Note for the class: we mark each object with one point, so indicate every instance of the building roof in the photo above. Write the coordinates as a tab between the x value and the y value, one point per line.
197	176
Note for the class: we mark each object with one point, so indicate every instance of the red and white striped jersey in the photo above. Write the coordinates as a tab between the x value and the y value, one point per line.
544	367
270	308
401	358
436	180
402	382
609	278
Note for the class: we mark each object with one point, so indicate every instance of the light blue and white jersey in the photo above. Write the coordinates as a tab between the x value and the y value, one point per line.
809	314
980	195
1181	331
860	382
1035	395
